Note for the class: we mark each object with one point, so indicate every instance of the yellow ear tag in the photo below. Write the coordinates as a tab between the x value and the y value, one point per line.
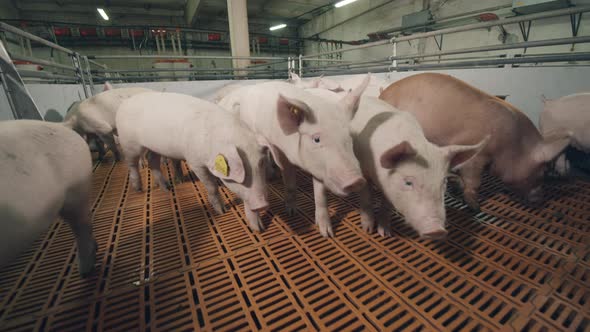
294	110
221	165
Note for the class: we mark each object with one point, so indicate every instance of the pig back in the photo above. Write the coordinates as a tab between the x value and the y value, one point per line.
40	163
572	113
104	105
453	112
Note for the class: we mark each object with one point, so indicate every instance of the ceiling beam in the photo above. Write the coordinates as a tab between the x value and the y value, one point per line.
191	10
52	7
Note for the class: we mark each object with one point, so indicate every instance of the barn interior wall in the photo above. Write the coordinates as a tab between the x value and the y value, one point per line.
515	83
356	20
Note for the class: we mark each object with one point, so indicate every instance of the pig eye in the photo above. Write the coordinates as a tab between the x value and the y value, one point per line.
408	182
316	138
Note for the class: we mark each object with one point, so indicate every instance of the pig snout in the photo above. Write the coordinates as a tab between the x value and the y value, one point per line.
432	228
344	183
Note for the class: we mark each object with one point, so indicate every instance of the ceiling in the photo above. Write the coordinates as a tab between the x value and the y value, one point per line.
194	13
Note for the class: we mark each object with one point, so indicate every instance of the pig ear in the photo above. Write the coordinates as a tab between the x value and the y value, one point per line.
107	86
459	155
294	77
315	82
227	164
553	144
276	154
396	154
291	113
353	97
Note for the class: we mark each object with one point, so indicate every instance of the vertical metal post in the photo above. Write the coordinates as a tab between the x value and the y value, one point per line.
79	72
163	41
29	48
9	95
89	73
300	65
179	43
288	66
157	43
132	38
173	44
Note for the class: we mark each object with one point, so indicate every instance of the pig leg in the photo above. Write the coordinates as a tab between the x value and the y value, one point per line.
110	142
76	214
290	181
132	157
471	176
154	162
210	184
272	172
178	175
383	218
322	216
99	145
366	210
253	219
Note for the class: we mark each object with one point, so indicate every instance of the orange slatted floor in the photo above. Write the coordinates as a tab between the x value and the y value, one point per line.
167	263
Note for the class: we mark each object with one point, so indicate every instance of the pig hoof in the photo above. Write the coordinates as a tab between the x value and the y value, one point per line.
368	227
218	207
384	230
326	231
290	210
86	264
473	205
257	226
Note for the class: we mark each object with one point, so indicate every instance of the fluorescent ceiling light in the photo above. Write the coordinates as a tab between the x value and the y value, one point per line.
103	14
277	27
343	3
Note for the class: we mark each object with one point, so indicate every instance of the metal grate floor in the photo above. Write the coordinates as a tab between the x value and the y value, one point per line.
167	263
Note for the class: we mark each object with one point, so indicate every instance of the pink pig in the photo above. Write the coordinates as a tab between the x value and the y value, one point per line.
568	113
452	112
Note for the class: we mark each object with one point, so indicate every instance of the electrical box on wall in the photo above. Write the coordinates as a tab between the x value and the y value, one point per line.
535	6
416	21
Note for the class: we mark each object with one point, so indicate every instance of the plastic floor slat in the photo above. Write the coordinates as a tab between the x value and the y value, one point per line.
167	262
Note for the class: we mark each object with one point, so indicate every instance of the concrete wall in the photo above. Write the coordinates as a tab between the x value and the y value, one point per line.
356	20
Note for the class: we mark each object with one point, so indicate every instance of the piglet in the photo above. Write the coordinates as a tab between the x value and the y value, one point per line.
571	113
96	115
213	142
410	171
307	131
452	112
45	171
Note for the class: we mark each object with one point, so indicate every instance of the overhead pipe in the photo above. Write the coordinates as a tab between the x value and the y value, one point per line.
481	25
182	57
529	44
471	64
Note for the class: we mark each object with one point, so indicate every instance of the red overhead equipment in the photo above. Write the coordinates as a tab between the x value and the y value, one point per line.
214	37
112	32
60	32
88	32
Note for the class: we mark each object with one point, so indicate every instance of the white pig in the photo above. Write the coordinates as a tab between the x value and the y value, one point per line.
309	132
96	115
211	140
45	171
404	165
570	113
